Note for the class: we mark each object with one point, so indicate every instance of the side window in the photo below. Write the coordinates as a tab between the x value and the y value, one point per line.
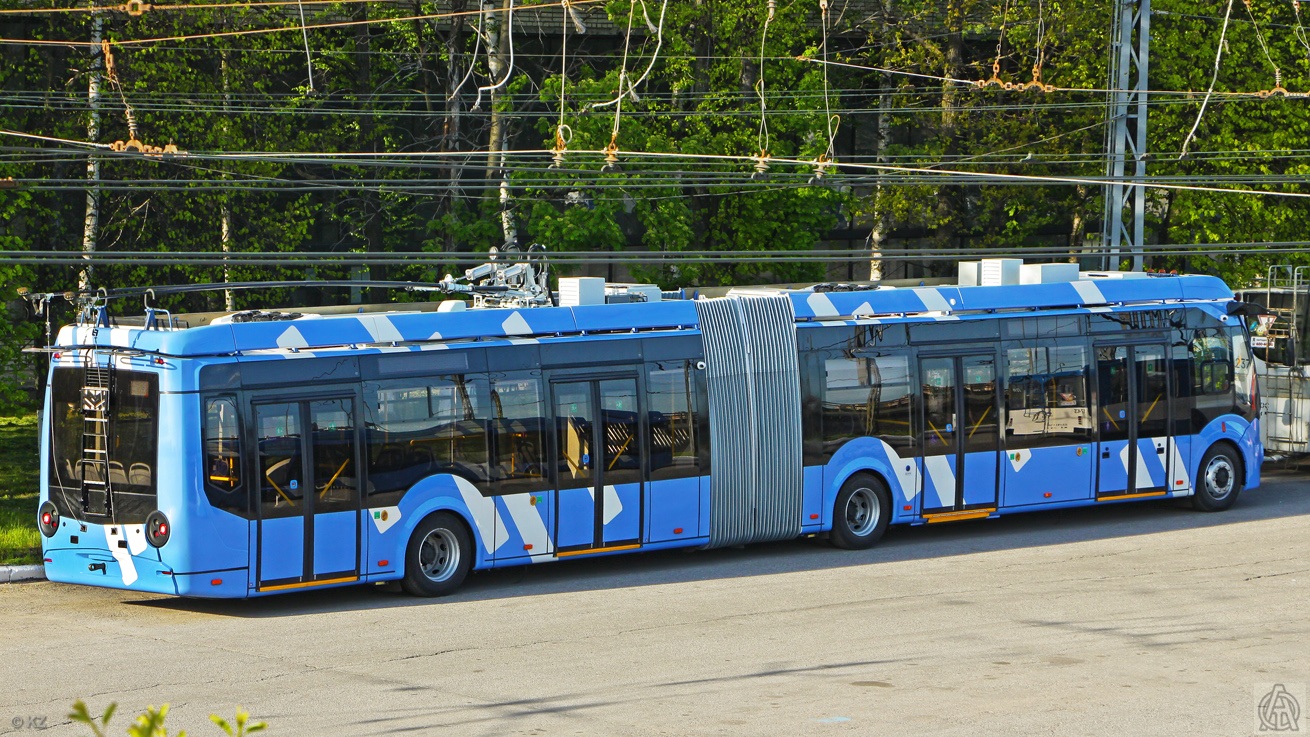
671	420
518	425
1244	387
421	427
867	396
1212	362
223	479
1046	396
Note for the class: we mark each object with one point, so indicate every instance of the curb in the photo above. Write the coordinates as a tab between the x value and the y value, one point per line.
14	574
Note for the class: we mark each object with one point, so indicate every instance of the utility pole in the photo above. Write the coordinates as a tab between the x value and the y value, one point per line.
1125	201
91	225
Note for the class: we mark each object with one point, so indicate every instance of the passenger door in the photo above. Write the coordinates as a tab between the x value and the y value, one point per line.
598	450
1133	421
307	454
959	433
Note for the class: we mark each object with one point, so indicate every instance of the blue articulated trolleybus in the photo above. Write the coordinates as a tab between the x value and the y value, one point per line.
264	452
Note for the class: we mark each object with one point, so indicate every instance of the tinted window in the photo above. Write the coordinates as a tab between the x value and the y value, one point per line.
223	469
671	423
420	427
1046	396
518	422
281	468
867	396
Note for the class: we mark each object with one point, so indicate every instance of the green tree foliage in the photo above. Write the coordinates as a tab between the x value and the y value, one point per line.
381	79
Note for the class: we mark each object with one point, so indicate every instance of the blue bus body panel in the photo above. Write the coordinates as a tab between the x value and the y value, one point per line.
622	514
1065	472
674	509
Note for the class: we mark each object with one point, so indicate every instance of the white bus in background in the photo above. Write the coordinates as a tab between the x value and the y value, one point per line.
1280	341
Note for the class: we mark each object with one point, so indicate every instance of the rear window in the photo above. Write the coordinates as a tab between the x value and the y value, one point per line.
130	437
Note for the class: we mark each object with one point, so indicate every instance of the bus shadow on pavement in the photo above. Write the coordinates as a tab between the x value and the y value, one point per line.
1279	497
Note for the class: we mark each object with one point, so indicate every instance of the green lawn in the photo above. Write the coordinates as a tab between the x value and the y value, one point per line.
20	543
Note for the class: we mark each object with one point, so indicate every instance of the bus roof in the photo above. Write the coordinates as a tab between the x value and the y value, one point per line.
384	329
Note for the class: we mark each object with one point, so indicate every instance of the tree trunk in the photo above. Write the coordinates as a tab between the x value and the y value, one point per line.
370	199
498	45
450	132
948	208
225	208
880	220
91	224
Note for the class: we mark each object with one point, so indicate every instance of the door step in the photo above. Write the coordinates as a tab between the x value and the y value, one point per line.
589	551
1143	495
959	516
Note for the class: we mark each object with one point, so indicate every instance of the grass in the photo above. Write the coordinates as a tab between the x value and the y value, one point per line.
20	475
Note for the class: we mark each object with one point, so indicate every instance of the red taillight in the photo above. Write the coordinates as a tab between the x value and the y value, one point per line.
46	519
50	560
56	356
216	582
159	362
163	529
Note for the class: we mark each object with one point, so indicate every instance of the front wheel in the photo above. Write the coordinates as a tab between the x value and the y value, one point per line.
438	557
861	513
1219	484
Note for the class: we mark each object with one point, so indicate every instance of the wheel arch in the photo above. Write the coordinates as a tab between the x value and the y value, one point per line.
1232	446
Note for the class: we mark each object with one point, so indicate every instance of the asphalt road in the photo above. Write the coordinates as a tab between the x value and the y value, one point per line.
1128	620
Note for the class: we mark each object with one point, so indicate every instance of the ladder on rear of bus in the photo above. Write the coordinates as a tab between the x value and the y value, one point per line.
93	468
1287	299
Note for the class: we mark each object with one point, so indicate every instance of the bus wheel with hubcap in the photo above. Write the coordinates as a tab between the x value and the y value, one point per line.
1219	484
438	557
861	514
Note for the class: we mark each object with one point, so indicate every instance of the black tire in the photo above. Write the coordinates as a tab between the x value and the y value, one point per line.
1219	480
861	513
438	556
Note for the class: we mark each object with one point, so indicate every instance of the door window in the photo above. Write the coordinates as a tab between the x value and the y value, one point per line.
574	419
335	477
980	426
1112	377
939	428
621	426
1152	391
281	482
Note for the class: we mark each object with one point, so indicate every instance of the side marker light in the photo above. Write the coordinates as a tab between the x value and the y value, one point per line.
677	530
216	582
383	562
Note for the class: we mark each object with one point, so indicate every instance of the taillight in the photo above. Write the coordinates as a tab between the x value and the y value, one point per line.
157	529
48	519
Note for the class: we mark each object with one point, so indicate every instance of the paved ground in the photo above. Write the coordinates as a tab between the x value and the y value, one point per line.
1134	621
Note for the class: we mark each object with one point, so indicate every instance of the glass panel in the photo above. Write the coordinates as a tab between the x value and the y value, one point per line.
519	421
1152	391
621	428
421	427
281	485
671	422
938	384
867	396
573	422
1112	378
66	431
1046	396
223	466
980	419
133	410
336	482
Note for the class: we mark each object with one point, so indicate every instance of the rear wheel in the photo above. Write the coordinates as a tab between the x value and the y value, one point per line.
861	513
438	557
1219	482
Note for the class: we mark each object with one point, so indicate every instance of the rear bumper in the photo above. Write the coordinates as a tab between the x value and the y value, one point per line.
97	567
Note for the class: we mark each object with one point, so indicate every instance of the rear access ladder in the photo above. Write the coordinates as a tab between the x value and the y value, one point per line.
93	468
